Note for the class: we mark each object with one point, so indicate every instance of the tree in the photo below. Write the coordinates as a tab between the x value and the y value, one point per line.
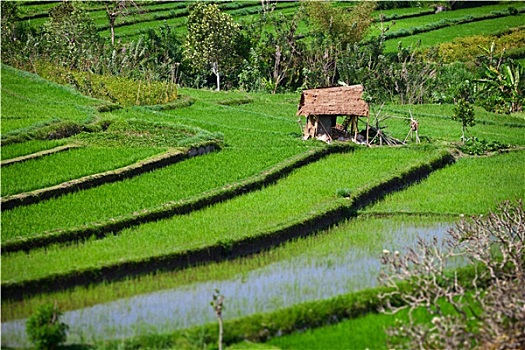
481	309
332	31
115	8
70	36
211	39
463	110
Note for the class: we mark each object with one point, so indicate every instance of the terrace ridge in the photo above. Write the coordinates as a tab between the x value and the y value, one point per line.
308	224
94	180
114	225
39	154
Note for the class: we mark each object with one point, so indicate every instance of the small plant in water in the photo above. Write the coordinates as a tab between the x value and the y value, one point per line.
44	328
216	303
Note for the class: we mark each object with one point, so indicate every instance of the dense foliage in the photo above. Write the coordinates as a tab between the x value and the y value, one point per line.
316	45
44	328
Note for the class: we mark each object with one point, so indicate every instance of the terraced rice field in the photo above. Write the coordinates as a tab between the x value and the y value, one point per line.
257	135
284	228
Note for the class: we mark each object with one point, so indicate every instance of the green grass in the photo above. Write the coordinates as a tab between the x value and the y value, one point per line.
28	100
448	34
25	148
365	332
245	216
64	166
473	185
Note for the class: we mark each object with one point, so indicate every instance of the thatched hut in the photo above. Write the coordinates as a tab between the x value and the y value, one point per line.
321	107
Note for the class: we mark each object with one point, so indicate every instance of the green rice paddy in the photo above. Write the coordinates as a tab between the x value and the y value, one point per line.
255	136
22	149
64	166
245	216
447	34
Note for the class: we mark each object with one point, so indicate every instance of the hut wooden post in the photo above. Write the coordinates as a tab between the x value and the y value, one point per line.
368	130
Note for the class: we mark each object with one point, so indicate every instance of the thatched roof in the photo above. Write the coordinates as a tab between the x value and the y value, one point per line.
339	100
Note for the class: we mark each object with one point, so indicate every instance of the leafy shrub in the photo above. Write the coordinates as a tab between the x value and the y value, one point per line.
44	328
500	90
447	78
473	146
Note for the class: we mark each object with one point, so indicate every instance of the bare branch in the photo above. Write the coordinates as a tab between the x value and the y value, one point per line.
495	245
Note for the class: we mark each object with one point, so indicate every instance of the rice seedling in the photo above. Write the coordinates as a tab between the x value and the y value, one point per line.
291	200
472	186
28	147
27	99
65	166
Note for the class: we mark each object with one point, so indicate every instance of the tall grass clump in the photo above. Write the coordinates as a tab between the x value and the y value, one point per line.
121	90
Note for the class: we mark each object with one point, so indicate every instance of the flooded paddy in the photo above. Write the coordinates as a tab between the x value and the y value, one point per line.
336	261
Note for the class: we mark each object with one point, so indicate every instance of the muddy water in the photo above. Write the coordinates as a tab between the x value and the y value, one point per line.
340	268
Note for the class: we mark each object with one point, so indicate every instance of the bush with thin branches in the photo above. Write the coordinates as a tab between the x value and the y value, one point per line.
486	310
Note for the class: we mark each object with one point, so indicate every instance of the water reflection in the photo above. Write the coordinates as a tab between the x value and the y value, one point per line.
308	276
